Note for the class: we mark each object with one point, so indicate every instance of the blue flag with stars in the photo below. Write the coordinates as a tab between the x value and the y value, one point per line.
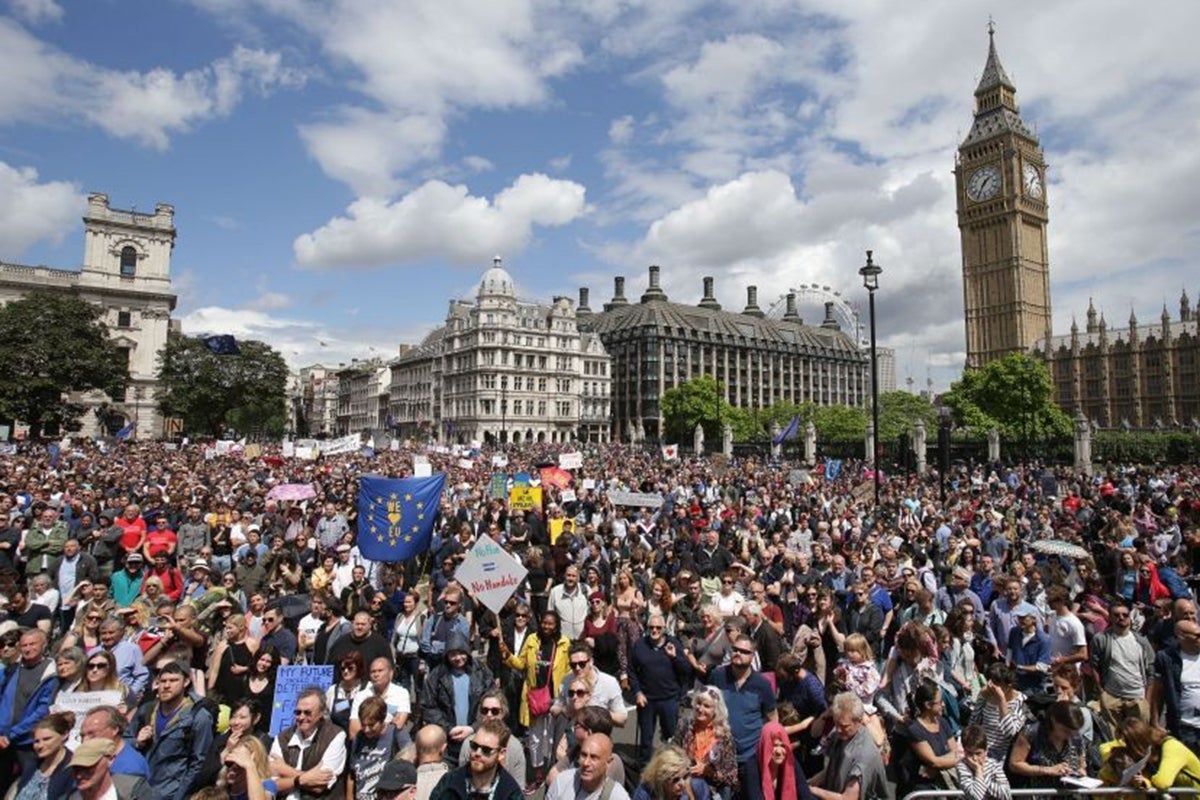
396	515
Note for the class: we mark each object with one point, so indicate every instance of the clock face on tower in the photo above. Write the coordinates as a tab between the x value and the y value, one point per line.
983	184
1033	182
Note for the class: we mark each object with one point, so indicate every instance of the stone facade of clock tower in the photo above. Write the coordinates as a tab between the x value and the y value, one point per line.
1000	176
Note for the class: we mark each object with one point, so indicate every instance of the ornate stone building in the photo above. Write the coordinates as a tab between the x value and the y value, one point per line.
656	345
1140	376
127	271
504	370
1002	216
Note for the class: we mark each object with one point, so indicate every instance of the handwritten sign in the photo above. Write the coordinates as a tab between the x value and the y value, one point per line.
80	703
524	498
289	683
570	460
490	573
640	499
499	485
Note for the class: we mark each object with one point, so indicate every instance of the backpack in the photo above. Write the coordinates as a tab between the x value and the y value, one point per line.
212	759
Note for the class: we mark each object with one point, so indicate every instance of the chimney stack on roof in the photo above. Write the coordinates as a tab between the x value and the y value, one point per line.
653	291
790	314
618	294
709	301
830	320
583	309
752	309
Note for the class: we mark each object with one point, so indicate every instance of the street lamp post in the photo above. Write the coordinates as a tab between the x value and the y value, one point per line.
870	275
943	449
504	411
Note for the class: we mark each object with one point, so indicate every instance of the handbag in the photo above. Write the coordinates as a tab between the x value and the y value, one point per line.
539	699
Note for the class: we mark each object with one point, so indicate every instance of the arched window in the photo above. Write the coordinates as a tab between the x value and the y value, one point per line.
128	262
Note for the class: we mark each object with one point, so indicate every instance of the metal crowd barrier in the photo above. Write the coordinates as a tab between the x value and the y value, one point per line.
957	794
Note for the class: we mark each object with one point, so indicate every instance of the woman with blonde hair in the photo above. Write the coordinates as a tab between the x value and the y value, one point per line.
708	741
1170	763
71	664
668	776
152	591
247	774
85	633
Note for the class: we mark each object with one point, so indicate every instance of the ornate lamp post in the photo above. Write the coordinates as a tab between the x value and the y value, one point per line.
870	275
504	411
944	422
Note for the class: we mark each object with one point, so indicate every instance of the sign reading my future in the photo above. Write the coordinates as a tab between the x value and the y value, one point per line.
490	573
289	683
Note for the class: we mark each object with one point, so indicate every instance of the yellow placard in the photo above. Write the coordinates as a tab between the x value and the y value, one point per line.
524	498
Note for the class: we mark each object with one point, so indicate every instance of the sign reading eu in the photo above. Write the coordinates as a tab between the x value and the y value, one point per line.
489	573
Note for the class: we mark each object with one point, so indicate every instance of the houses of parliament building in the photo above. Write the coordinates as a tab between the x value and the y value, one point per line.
1139	376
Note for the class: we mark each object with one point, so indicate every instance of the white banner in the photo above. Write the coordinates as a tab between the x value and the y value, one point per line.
422	469
490	574
499	461
567	496
289	449
466	463
589	483
79	704
340	446
570	460
639	499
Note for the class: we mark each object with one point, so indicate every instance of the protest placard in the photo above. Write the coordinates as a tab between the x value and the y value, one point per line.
523	498
289	683
489	573
570	460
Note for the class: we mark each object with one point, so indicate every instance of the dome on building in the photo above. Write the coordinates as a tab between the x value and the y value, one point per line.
496	282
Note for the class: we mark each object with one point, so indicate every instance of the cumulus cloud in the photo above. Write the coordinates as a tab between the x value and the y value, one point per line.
41	82
366	149
438	220
36	12
31	211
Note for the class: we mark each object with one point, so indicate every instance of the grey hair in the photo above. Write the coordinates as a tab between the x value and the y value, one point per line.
847	704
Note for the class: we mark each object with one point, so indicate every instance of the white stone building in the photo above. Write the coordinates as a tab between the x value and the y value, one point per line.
127	271
318	400
504	370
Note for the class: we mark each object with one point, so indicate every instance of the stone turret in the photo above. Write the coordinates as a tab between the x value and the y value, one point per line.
709	301
790	314
1185	307
583	310
654	292
752	309
1092	326
618	299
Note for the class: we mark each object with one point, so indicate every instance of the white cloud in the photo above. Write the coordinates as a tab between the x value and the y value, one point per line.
366	150
477	163
270	301
35	12
440	221
43	83
620	131
31	212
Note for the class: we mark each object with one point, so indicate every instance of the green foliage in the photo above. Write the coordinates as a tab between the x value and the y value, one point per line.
209	391
1145	447
690	403
1014	395
899	412
838	423
52	344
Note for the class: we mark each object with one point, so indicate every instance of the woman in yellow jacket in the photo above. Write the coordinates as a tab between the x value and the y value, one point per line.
1171	765
544	659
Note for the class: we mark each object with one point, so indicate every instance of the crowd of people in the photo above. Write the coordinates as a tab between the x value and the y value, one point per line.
759	630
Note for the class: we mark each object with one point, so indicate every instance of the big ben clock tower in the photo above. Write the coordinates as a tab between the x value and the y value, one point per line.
1000	175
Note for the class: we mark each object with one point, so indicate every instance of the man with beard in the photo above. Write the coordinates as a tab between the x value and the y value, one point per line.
482	777
362	638
751	703
333	626
174	733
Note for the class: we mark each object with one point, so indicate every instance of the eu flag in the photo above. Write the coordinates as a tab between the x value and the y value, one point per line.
127	431
789	432
223	345
396	515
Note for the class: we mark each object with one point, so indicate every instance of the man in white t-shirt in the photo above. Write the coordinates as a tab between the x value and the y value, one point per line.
309	626
396	696
606	690
1068	639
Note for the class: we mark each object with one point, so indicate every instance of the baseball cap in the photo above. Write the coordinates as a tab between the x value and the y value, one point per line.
396	775
1025	610
135	556
91	751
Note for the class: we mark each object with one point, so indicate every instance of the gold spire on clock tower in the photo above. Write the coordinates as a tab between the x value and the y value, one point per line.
1000	176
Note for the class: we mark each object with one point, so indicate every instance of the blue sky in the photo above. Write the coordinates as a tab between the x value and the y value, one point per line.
342	168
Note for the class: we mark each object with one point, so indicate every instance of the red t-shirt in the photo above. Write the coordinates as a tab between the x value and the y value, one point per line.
131	531
160	541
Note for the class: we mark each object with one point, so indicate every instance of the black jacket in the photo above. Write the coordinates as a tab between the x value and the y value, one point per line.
453	786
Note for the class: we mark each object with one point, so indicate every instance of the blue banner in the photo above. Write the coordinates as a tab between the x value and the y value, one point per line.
396	515
833	468
224	345
789	432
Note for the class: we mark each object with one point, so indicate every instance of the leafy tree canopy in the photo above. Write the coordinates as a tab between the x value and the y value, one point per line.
245	392
1014	395
52	344
694	402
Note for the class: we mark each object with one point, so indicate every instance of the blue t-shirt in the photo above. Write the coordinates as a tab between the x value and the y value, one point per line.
129	762
748	706
462	698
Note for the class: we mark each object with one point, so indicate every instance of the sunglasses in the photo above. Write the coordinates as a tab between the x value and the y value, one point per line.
483	749
579	692
490	711
302	712
579	664
98	665
743	651
521	616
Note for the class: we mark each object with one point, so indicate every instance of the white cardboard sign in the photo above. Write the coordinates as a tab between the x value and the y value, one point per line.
490	574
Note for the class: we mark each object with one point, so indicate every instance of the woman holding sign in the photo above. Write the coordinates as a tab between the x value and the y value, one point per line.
543	657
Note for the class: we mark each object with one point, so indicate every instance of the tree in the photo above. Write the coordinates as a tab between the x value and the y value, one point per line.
1014	395
839	423
53	345
245	392
899	412
696	401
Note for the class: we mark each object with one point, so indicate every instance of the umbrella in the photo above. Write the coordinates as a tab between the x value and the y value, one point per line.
1058	547
292	491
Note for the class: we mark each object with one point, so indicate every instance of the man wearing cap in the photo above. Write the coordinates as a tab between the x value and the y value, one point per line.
197	582
1028	649
398	781
948	597
91	765
250	576
127	583
1001	616
108	722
